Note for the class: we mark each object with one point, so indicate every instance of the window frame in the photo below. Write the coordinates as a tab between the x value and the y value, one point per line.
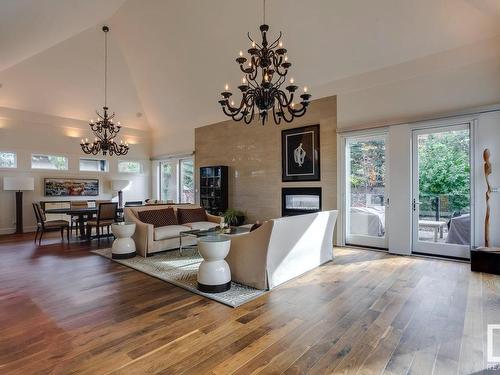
106	169
49	169
141	166
15	159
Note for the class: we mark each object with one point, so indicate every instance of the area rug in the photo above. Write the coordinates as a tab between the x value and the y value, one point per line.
181	270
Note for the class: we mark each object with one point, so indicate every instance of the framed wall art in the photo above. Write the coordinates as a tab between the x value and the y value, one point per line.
300	154
66	187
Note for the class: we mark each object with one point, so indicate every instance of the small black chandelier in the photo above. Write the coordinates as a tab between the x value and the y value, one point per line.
269	64
104	128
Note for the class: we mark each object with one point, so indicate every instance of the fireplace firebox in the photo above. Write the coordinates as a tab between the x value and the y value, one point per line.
299	201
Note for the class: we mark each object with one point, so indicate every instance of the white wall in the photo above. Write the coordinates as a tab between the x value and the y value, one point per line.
450	81
25	133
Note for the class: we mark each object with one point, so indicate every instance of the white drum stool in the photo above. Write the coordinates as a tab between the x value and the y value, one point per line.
124	246
214	275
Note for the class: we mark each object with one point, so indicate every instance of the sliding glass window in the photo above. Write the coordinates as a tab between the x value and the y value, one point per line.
93	165
40	161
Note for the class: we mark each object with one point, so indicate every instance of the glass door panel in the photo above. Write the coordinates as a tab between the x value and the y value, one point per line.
168	181
441	191
187	180
366	199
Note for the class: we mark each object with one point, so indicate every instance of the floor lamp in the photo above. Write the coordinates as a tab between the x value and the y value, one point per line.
19	184
118	186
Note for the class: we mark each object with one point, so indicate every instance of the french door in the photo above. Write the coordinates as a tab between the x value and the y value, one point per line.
441	185
366	200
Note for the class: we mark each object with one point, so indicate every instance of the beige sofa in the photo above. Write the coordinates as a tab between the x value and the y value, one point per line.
150	240
282	249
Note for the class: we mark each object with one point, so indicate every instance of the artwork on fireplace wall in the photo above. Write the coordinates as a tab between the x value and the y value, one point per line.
300	154
64	187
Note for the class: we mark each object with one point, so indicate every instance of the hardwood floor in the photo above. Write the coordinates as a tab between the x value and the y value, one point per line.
64	310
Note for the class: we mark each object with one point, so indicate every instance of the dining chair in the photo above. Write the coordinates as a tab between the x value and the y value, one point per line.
75	218
106	215
44	225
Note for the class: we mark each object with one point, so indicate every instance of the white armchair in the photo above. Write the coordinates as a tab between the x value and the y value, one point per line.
282	249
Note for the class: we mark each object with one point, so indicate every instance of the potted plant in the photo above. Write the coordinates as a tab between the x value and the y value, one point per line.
234	217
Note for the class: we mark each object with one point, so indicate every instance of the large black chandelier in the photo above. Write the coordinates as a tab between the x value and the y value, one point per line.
104	128
264	74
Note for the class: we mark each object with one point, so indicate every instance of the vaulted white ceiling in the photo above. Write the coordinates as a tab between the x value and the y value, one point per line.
28	27
170	59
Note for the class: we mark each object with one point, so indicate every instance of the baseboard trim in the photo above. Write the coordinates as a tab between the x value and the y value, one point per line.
13	230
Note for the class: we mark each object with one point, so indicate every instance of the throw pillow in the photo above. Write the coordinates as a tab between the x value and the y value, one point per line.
191	215
159	218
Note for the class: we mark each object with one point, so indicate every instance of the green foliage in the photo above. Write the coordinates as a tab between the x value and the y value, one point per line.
7	160
367	164
165	175
169	183
233	217
58	161
129	167
444	168
187	180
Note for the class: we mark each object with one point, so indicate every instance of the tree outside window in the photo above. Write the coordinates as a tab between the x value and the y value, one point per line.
177	180
7	160
39	161
367	173
444	172
187	181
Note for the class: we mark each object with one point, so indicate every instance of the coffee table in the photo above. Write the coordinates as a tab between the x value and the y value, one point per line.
198	233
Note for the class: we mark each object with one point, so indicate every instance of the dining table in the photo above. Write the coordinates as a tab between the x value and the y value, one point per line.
83	213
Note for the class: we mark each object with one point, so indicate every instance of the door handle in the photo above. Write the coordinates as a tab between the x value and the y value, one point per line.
415	203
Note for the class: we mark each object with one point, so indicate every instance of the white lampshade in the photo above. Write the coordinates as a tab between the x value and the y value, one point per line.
19	183
119	185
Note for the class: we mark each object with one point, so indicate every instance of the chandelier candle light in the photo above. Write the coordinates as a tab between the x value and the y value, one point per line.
268	63
104	128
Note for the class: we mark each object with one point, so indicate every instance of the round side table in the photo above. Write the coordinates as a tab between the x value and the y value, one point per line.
214	275
124	246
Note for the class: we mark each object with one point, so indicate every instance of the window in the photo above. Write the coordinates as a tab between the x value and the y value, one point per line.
168	180
8	160
128	166
177	180
186	181
93	165
39	161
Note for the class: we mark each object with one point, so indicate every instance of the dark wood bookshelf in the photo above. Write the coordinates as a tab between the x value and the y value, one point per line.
214	189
